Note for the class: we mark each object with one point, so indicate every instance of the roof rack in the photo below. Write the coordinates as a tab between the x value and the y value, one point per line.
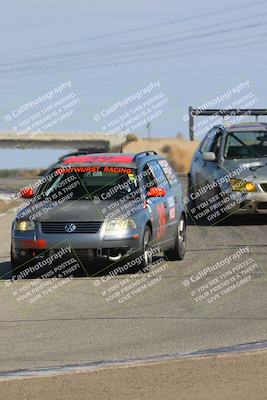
196	112
145	153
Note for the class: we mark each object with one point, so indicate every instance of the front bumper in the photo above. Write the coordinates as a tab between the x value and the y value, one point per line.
27	245
253	203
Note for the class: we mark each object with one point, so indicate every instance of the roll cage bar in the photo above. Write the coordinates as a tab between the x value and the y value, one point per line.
198	112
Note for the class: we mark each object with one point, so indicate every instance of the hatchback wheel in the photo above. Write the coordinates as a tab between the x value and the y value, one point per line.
178	251
142	259
147	261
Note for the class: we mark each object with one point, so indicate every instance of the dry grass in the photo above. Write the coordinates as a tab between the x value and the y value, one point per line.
178	151
19	173
7	205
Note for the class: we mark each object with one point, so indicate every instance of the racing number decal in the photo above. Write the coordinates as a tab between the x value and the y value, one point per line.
172	210
162	221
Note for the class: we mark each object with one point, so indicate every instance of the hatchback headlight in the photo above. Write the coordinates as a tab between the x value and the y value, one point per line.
114	226
24	226
239	185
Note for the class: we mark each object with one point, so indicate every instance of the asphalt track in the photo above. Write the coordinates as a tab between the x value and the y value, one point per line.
75	325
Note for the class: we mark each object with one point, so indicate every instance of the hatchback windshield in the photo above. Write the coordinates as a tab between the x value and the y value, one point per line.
85	183
246	144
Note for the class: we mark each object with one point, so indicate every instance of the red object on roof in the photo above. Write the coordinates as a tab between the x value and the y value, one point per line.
99	158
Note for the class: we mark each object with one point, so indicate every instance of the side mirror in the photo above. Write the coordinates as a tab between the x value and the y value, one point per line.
26	193
209	156
156	192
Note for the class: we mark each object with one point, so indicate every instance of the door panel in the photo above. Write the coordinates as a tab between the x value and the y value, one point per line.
157	206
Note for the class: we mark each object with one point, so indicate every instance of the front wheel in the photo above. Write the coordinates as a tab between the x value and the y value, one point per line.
15	264
178	251
147	255
142	259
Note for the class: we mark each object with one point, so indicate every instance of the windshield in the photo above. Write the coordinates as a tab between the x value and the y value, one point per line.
246	144
86	183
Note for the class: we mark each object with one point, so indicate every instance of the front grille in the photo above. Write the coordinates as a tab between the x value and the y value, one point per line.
81	227
84	253
264	186
262	206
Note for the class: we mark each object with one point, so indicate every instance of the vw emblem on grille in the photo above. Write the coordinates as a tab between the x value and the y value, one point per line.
69	228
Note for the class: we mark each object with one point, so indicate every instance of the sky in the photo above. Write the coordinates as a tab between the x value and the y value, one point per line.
110	50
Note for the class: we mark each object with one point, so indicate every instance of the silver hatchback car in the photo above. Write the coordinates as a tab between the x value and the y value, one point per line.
228	173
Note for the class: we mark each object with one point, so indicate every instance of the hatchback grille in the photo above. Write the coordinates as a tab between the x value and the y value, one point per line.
264	186
81	227
262	206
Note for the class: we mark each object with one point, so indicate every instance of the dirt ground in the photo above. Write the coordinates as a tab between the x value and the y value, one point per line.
223	377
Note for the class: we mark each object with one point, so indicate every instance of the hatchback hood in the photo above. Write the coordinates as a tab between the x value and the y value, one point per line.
80	210
249	167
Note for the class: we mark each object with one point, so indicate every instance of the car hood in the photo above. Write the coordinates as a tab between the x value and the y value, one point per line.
81	210
249	167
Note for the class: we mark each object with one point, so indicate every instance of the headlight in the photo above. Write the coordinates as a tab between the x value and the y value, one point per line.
113	226
24	226
238	185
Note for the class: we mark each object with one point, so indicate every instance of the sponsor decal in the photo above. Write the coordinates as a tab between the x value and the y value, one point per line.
162	221
172	212
171	201
96	169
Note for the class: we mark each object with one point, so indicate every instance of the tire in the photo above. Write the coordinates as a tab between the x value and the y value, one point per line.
190	191
178	251
192	203
13	260
147	257
144	254
15	265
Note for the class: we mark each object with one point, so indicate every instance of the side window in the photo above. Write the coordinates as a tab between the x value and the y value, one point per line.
212	141
149	177
159	175
205	145
215	146
169	172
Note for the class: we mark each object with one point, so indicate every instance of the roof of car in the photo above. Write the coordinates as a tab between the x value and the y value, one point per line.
100	157
114	158
254	126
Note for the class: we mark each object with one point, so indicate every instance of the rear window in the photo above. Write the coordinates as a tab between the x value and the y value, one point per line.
160	177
